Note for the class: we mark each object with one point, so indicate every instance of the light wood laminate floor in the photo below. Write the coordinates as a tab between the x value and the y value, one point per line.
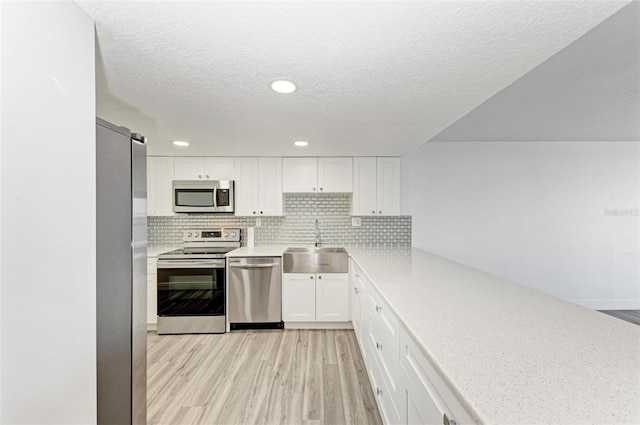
310	377
632	316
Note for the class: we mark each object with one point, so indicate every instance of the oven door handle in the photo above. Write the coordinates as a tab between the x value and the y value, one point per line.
253	266
195	264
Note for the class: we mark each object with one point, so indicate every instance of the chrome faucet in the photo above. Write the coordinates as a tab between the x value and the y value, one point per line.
317	234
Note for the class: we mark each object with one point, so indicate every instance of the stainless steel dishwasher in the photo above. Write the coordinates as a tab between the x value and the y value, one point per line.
255	292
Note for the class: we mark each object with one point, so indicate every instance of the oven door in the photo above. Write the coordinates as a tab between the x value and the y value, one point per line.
191	287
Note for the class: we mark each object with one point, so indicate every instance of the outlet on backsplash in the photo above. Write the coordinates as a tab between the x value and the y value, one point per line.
356	221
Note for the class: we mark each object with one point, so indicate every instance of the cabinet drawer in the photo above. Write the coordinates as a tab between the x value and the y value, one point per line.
389	367
384	321
431	395
391	409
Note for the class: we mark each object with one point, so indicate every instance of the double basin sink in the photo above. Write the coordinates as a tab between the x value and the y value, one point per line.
315	260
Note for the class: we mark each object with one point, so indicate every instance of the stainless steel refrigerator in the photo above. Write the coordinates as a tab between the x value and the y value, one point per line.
121	293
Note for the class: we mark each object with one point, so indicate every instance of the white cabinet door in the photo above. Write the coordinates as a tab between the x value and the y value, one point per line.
298	297
421	409
270	186
332	297
299	175
354	313
365	188
388	177
189	168
335	174
159	179
219	168
258	186
247	182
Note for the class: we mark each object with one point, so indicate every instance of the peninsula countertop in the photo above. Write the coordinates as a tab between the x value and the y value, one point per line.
512	355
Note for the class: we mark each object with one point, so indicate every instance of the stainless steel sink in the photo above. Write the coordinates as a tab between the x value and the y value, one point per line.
315	260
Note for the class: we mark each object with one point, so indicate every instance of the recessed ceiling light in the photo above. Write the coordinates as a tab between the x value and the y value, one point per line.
283	86
181	143
300	143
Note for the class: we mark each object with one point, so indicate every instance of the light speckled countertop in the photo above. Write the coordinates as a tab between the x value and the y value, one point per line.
513	355
153	251
259	251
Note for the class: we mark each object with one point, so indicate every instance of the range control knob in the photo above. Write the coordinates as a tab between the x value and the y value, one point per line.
196	234
226	234
233	234
189	234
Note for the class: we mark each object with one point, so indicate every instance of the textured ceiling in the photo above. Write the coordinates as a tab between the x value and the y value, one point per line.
590	91
374	78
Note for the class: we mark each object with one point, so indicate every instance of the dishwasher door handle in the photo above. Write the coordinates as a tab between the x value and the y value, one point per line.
253	266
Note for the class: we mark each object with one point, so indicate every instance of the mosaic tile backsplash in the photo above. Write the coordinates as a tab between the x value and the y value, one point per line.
297	226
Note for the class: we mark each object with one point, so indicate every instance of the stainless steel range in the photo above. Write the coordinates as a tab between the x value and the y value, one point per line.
191	282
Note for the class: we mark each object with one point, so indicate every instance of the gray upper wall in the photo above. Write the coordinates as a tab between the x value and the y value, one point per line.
589	91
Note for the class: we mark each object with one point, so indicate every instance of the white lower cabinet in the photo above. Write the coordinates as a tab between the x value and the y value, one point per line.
298	297
309	297
152	291
332	297
407	388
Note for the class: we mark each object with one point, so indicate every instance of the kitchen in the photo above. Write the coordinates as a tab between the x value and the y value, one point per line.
484	204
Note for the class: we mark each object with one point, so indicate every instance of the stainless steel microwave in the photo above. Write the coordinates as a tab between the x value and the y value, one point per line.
203	196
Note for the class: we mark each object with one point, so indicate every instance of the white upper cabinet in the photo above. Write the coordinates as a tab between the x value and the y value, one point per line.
222	168
313	175
299	175
258	186
335	174
247	180
270	186
388	177
189	168
204	168
376	186
159	178
365	187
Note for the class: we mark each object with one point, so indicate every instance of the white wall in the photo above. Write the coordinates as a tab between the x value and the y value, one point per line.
48	359
537	213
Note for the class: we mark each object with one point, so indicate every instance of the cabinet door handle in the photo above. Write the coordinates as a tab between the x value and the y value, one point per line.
379	212
320	188
378	308
357	276
207	176
319	277
310	277
378	345
356	290
260	212
373	212
199	176
314	189
378	391
254	212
